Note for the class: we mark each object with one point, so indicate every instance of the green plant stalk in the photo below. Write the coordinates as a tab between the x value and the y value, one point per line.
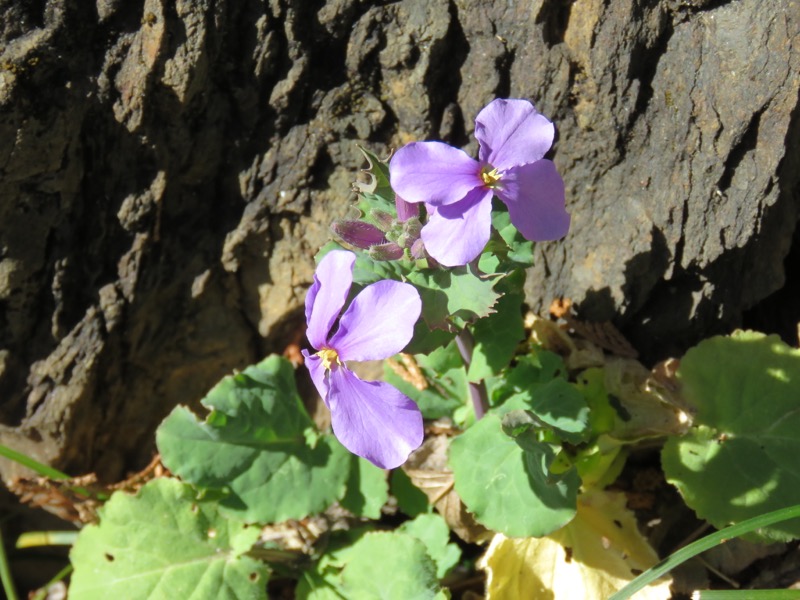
5	573
477	391
33	465
746	595
41	594
33	539
703	544
42	469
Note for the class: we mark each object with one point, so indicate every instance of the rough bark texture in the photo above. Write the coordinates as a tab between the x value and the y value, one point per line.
168	169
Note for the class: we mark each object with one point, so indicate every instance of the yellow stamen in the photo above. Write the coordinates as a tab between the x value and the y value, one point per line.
490	178
329	356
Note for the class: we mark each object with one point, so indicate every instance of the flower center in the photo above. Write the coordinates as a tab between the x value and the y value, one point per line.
329	356
490	177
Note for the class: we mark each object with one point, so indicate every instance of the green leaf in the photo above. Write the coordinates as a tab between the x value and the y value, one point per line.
410	499
496	338
453	296
449	296
507	249
376	195
163	543
555	403
447	388
529	372
426	340
520	250
517	422
367	489
602	416
601	463
412	573
378	173
253	444
432	531
402	562
367	270
322	581
560	406
507	486
740	458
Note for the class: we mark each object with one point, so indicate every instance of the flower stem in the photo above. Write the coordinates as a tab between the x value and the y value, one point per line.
5	574
480	399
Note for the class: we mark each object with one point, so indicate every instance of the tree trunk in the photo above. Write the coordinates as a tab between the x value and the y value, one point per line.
169	170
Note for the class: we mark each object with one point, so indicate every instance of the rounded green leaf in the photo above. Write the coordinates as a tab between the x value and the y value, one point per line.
506	482
559	405
432	530
254	445
372	565
739	460
410	499
162	544
406	570
367	489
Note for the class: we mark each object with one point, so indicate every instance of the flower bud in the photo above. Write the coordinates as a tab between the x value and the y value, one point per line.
410	232
357	233
418	249
382	218
389	251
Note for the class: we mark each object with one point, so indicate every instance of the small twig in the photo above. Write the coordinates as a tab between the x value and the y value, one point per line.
692	536
717	572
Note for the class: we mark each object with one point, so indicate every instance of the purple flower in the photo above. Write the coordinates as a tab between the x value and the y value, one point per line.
371	418
458	189
405	210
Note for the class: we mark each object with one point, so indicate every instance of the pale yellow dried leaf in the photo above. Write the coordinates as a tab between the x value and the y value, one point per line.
595	555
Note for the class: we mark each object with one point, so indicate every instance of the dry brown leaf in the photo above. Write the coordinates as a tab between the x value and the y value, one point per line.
408	370
77	499
735	555
647	409
427	468
603	334
59	497
577	354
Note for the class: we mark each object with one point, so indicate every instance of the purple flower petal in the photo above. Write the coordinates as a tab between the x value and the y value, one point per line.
317	371
405	210
373	419
456	234
433	172
512	132
534	194
379	322
327	295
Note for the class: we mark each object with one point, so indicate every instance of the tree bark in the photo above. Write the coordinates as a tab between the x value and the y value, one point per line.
169	169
